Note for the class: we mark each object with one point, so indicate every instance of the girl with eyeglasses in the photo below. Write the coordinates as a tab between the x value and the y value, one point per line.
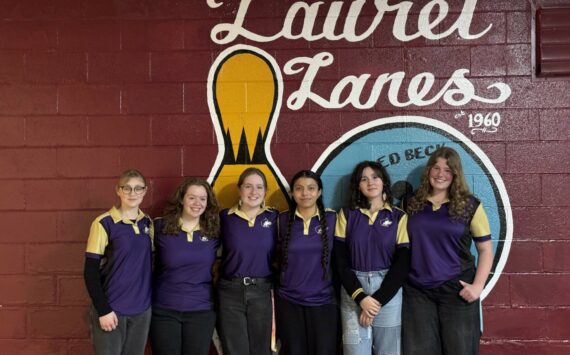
248	235
305	306
186	244
118	266
371	249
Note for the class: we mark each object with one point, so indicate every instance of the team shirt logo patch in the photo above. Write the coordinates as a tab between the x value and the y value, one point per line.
386	222
319	230
203	238
146	230
266	223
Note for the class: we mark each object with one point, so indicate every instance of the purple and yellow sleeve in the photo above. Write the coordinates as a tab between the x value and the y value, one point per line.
403	240
340	227
97	241
480	225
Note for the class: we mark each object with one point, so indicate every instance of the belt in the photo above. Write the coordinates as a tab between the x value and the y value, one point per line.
247	281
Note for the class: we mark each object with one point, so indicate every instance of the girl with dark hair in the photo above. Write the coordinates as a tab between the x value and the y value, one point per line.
441	312
371	249
306	312
249	233
183	316
118	266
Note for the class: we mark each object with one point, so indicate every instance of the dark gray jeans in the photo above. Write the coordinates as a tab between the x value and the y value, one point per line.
175	333
438	321
245	317
129	338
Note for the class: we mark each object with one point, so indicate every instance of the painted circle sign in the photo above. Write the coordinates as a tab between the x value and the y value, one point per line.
403	144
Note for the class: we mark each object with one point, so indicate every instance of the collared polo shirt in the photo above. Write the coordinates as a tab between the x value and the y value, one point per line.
248	245
183	269
303	282
372	238
441	245
124	248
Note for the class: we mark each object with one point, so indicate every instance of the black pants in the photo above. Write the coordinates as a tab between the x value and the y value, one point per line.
438	321
305	330
245	317
177	333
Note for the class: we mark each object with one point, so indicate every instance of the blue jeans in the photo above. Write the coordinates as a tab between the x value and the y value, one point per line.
245	317
129	338
438	321
383	337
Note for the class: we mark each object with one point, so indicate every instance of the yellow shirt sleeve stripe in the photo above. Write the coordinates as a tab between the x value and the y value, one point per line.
356	293
340	228
480	223
403	237
98	238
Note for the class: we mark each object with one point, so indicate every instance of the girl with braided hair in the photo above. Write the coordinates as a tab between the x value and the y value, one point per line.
372	255
306	311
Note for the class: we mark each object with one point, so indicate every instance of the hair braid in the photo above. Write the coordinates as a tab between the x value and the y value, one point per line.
324	238
287	237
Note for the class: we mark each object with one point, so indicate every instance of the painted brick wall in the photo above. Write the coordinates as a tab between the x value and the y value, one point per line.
91	87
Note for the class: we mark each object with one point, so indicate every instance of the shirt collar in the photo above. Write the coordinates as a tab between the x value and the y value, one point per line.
115	214
317	213
196	227
251	222
435	206
372	216
235	209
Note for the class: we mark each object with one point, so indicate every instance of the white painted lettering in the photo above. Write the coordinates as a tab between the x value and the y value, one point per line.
457	91
225	33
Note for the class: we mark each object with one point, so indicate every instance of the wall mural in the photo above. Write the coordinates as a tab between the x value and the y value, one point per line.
245	96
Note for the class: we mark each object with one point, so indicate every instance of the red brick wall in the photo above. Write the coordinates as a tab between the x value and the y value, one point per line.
91	87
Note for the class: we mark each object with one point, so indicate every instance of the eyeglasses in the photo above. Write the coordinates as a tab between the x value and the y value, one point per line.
128	189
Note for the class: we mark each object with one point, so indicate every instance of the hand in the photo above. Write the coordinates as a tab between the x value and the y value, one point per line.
364	320
109	322
370	306
470	292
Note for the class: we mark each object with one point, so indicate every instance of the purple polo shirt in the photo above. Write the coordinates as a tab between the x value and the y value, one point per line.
440	245
183	270
248	246
372	238
125	250
303	282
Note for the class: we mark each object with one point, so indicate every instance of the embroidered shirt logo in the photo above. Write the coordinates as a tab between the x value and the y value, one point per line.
386	222
146	230
203	238
319	230
266	223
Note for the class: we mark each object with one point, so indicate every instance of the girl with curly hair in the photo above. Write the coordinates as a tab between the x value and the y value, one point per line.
441	298
186	241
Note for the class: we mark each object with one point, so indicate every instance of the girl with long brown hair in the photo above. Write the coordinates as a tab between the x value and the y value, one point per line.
186	241
441	298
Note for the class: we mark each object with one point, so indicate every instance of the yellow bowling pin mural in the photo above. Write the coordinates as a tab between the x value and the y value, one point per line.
244	98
